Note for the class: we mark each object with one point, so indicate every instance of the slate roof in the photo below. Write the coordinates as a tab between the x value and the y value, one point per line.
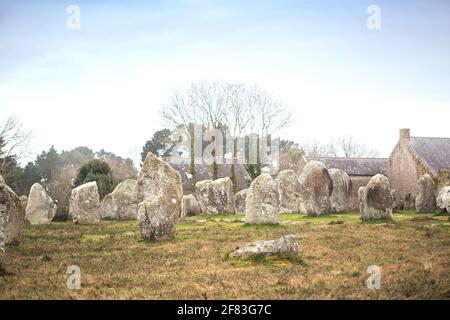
434	152
356	166
205	172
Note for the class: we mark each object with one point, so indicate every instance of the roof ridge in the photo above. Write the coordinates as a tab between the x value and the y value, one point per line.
347	158
430	137
432	151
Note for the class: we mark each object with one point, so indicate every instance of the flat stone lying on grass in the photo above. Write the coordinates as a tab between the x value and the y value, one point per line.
288	222
229	220
286	244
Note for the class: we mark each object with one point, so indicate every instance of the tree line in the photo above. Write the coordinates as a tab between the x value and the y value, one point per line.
58	172
236	108
242	111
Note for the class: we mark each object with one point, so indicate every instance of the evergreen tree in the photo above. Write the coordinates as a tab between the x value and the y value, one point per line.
160	144
99	171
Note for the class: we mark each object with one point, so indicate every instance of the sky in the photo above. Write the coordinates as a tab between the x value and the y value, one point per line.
103	85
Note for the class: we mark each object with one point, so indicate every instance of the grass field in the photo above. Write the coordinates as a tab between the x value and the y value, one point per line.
413	252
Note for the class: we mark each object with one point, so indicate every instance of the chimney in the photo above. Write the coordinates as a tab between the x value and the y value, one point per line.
404	134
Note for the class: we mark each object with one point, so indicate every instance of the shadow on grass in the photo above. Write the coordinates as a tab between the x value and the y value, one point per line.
262	226
214	216
436	212
380	221
274	260
334	222
5	273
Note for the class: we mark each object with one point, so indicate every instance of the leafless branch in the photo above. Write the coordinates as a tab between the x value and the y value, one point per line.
14	142
346	147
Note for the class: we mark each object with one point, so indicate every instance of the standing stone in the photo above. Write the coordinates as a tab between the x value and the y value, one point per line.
84	206
425	198
215	197
189	206
239	201
361	192
3	222
316	188
156	219
263	201
342	188
289	189
4	199
122	203
410	201
160	187
443	199
41	209
292	158
12	208
227	185
24	203
108	209
377	201
397	202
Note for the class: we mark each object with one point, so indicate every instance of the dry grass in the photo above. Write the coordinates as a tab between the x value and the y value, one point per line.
414	255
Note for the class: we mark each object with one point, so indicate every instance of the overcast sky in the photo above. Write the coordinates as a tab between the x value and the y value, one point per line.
102	85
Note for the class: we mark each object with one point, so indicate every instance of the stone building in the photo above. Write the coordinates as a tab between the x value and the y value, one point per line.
414	156
410	159
360	171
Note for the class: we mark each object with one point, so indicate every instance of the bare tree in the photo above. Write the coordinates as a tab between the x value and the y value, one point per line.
14	143
241	109
316	149
202	103
253	111
291	156
267	115
346	147
353	149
